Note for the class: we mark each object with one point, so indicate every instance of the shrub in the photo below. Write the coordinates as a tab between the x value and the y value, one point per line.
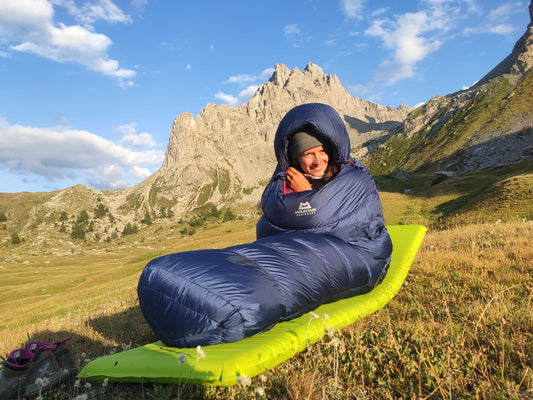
78	231
3	217
83	217
229	216
100	211
15	239
130	229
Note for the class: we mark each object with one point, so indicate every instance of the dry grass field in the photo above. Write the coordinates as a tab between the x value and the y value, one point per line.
461	327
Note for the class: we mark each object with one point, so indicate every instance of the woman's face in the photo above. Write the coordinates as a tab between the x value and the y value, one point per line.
314	161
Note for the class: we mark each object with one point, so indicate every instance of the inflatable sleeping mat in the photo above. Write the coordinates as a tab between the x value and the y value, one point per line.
224	363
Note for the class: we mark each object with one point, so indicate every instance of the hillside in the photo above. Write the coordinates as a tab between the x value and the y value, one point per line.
487	125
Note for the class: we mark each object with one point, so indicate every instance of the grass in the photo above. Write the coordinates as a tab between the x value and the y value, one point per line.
461	327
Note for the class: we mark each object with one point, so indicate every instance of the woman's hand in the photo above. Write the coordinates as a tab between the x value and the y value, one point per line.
297	181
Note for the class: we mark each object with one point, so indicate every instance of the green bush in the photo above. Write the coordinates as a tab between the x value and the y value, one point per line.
130	229
15	239
78	231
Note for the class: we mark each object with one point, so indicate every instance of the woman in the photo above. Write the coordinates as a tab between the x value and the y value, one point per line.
310	167
318	188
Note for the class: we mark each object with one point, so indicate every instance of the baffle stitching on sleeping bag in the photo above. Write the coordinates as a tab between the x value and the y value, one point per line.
348	225
267	272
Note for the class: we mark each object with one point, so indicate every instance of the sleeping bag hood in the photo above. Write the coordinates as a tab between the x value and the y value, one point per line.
348	207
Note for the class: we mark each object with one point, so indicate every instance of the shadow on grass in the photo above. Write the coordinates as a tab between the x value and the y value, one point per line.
124	328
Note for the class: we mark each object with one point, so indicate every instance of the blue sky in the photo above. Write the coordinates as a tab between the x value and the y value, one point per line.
89	89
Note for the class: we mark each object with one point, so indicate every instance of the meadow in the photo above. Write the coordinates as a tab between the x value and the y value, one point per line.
461	327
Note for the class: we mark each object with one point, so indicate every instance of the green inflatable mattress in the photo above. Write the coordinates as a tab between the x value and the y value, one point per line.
223	364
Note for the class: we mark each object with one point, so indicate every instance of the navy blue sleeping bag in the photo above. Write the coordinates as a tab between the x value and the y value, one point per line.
313	247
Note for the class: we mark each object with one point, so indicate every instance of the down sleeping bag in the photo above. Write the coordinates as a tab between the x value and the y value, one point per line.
313	247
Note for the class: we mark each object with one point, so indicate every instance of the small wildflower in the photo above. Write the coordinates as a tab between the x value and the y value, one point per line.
259	391
106	345
263	378
87	385
200	354
42	382
77	383
182	359
325	316
83	355
331	331
313	315
125	347
244	381
105	382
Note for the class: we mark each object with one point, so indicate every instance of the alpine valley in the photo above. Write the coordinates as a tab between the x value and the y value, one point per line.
220	160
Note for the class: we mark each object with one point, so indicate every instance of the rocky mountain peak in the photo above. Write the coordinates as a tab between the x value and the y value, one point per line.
224	152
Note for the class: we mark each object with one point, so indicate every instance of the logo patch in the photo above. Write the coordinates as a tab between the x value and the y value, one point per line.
305	209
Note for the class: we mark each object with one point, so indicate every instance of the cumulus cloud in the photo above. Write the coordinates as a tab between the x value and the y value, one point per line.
410	38
247	92
496	21
352	8
266	73
293	33
132	139
30	26
57	154
141	173
227	98
243	78
92	11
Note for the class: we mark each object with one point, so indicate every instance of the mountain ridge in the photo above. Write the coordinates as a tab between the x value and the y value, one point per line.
224	156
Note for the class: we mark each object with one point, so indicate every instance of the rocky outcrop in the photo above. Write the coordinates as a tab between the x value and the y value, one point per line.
446	123
520	61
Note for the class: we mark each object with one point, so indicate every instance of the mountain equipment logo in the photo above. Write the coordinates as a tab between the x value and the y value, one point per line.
305	209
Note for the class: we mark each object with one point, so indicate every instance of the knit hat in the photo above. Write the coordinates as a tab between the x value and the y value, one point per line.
302	141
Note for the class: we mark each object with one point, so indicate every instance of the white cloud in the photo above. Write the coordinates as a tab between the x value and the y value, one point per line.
352	8
30	26
92	11
58	154
140	140
500	29
227	98
127	129
139	3
496	21
293	34
248	92
410	37
266	73
243	78
141	173
132	138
